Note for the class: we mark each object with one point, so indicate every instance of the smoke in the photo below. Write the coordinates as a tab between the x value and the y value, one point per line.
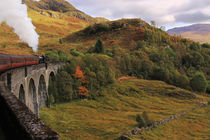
14	13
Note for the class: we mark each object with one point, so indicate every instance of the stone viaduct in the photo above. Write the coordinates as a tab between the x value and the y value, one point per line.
30	84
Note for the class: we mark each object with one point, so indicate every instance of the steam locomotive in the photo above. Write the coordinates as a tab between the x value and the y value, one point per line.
13	61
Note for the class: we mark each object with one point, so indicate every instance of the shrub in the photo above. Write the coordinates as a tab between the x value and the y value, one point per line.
75	52
198	82
61	41
140	120
146	119
143	120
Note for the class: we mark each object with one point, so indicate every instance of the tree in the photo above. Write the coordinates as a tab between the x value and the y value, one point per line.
197	59
99	48
205	45
195	46
153	23
140	45
198	82
82	79
64	85
182	81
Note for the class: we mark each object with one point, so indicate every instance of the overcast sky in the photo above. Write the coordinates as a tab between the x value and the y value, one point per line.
168	13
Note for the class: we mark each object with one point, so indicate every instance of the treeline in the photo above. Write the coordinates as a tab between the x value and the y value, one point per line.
81	77
175	60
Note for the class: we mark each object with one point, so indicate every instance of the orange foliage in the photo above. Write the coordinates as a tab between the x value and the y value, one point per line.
79	75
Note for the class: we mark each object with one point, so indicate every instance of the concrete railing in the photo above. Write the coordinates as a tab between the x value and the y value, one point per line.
18	122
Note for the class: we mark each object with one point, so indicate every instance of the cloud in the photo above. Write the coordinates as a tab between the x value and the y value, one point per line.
164	12
192	17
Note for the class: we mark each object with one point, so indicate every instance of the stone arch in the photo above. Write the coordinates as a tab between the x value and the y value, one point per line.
52	76
22	96
42	92
32	99
52	88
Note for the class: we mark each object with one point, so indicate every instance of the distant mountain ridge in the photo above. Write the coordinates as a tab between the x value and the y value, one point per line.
196	32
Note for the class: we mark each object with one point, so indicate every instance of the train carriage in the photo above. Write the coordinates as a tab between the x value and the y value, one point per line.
14	61
5	62
31	60
17	61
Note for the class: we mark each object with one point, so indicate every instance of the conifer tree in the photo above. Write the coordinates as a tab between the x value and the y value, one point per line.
99	48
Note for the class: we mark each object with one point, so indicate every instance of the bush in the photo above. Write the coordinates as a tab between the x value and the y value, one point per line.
143	120
75	52
140	120
146	119
198	82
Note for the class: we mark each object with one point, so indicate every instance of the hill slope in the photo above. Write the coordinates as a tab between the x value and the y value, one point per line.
196	32
107	117
53	19
61	6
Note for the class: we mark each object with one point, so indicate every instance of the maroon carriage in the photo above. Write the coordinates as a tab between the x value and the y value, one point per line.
5	62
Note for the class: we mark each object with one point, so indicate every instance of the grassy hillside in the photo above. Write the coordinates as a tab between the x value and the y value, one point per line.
194	125
129	42
197	32
50	30
51	24
107	117
121	33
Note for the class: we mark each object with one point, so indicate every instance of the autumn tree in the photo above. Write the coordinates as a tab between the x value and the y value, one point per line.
82	79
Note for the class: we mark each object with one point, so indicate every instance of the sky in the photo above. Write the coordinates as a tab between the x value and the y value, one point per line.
168	13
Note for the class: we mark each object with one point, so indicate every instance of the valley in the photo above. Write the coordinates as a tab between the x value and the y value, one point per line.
115	72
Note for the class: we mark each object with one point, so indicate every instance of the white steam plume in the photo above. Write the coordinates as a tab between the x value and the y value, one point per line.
14	13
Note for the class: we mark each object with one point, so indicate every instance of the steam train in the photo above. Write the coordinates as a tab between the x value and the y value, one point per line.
13	61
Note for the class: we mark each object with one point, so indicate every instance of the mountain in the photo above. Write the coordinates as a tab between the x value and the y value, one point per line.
196	32
61	6
53	19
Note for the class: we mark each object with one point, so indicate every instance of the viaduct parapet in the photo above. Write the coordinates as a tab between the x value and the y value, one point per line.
22	92
30	84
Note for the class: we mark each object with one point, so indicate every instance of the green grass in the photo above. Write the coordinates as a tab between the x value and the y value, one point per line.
106	118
